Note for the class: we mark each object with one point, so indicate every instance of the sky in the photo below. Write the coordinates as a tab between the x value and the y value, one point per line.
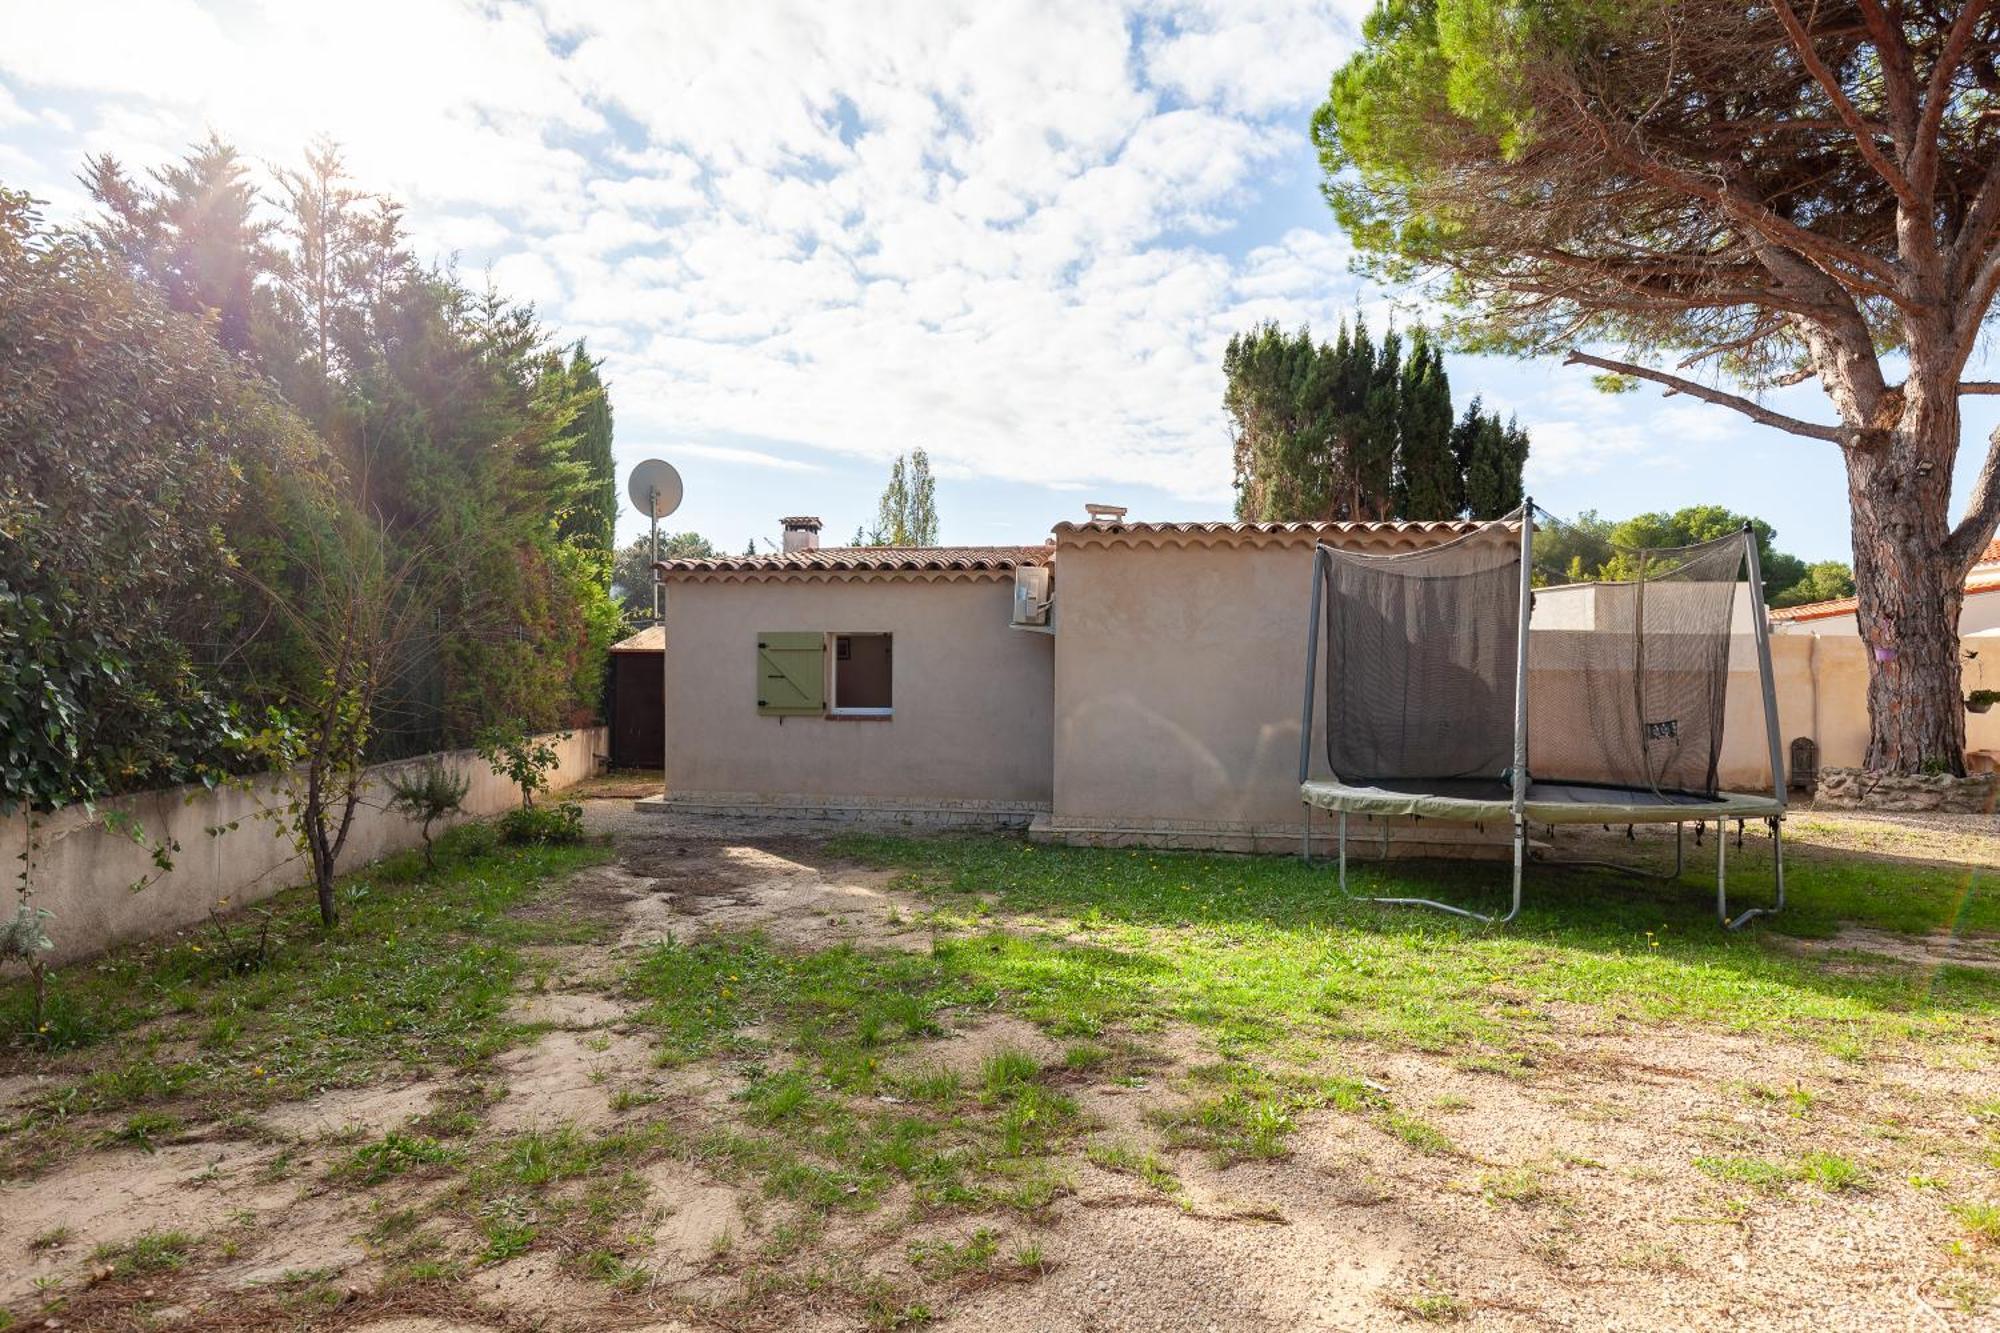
805	238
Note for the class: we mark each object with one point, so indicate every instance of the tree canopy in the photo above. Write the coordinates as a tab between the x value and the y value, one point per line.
1710	193
1354	429
907	512
244	424
1594	549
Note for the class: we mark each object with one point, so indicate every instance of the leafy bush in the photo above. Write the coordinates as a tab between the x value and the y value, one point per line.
525	760
469	842
543	824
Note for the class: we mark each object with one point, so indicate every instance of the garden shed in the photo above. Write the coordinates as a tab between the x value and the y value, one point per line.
634	700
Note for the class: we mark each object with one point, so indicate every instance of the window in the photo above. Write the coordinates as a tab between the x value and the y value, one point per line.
862	675
805	673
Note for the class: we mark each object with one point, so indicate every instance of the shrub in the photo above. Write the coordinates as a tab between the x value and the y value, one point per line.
524	759
427	795
543	824
469	842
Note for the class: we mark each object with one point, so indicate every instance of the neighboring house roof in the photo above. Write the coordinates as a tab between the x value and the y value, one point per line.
1385	537
652	639
1847	606
840	561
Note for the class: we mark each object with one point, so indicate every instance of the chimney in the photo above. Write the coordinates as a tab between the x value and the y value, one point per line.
801	534
1108	515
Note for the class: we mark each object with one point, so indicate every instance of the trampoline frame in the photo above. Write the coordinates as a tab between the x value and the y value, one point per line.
1521	780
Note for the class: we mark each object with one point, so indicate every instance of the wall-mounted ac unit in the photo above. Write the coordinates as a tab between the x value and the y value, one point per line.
1032	595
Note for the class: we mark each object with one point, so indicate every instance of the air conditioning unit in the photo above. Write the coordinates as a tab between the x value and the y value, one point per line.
1032	595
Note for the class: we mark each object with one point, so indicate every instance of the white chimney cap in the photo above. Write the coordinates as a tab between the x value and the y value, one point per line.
1105	513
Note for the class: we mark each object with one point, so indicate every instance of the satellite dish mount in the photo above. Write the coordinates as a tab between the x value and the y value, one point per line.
655	488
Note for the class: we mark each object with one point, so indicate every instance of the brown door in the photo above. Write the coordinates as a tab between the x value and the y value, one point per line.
638	710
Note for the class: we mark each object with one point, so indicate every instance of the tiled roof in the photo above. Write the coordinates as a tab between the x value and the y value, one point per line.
866	559
1991	555
1396	536
1847	606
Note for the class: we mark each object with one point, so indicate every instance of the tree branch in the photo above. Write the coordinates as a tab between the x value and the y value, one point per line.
1978	386
1899	79
1982	512
1676	384
1864	139
1869	272
1924	154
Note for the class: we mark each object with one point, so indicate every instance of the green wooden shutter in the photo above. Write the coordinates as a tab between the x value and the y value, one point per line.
791	673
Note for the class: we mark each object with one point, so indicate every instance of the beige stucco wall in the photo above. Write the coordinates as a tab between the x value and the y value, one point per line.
972	696
83	872
1823	693
1178	682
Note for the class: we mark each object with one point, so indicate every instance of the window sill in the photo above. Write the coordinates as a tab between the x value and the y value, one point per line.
860	715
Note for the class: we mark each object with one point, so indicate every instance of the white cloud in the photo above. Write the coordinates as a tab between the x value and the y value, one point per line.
721	453
1010	233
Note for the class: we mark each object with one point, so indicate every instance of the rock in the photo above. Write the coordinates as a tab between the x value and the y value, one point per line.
1859	789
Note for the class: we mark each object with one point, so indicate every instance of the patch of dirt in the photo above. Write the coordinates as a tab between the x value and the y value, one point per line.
567	1078
701	1220
533	1284
801	903
965	1050
1933	950
18	1089
107	1198
318	1234
371	1110
573	1011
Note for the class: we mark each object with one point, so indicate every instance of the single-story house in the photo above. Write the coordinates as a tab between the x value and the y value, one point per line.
1123	682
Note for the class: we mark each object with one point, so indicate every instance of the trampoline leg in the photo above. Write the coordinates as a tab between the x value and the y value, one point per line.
1777	872
1680	850
1520	843
1343	851
1721	877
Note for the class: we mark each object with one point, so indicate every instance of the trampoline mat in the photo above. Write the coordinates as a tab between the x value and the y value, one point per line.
1475	800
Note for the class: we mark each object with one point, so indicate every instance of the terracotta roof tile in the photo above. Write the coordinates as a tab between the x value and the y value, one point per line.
866	558
1847	606
1390	536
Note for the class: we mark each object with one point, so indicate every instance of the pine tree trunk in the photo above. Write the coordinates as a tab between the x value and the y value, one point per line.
1909	592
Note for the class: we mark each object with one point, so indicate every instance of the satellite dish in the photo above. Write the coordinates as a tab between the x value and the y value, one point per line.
655	488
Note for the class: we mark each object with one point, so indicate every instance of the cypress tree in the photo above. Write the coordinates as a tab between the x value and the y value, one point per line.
1427	472
593	522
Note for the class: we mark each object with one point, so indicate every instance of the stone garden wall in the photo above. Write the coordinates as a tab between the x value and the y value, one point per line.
1858	789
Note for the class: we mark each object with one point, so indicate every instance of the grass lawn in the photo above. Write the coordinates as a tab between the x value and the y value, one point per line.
875	1081
1261	949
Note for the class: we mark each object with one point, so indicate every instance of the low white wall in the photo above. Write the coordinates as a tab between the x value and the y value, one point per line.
83	872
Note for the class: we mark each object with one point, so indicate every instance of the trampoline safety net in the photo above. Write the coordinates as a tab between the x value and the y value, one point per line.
1421	654
1626	680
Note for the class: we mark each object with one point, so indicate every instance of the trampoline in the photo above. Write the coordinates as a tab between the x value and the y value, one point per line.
1608	709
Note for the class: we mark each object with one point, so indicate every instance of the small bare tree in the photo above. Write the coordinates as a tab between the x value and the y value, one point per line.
353	616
